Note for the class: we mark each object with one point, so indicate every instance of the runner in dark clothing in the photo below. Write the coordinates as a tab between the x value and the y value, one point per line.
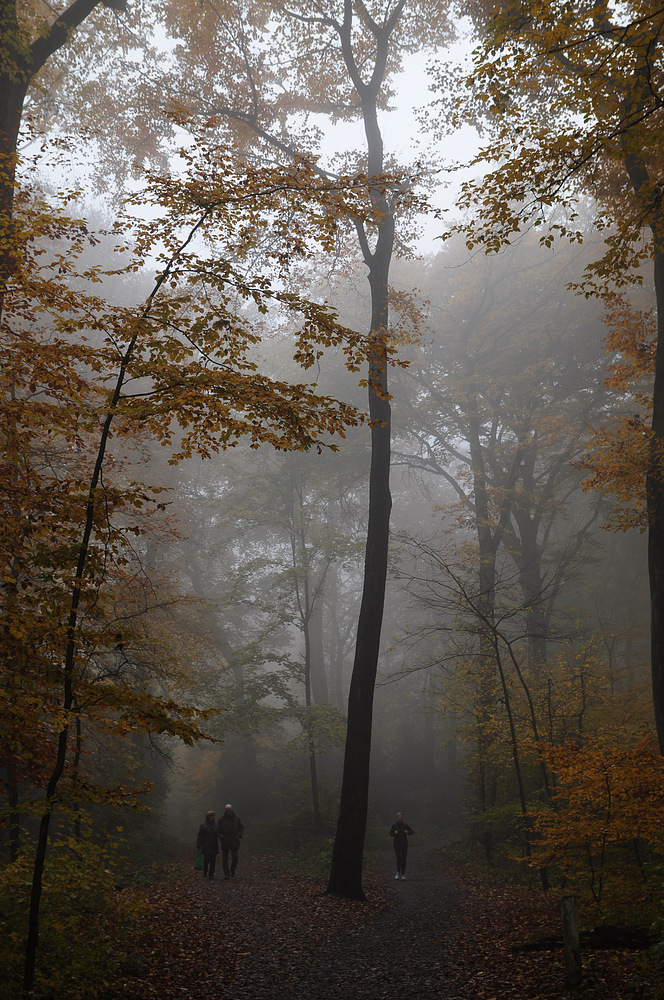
400	833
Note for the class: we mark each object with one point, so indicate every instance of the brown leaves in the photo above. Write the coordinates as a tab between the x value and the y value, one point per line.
447	933
608	817
178	366
622	451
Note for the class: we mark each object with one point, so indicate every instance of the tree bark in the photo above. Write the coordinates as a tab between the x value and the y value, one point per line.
655	501
346	871
20	62
347	854
648	197
571	942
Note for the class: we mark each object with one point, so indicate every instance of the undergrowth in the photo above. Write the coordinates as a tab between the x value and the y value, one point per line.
86	926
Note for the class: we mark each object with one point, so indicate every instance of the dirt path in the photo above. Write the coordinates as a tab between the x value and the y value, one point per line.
438	934
264	933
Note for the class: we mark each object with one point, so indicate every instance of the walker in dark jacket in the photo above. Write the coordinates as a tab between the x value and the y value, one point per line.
207	844
400	832
229	830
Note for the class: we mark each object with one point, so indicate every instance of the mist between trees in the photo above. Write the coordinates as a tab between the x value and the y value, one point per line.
202	455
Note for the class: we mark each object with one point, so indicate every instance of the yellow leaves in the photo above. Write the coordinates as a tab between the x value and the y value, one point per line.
183	368
622	451
565	105
609	798
618	461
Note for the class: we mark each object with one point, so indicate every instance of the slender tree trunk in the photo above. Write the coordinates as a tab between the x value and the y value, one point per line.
14	814
78	589
655	494
346	871
533	718
338	642
488	540
648	196
311	742
319	687
67	691
78	749
642	184
514	744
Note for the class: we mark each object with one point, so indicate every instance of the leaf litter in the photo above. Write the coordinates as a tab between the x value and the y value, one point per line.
447	932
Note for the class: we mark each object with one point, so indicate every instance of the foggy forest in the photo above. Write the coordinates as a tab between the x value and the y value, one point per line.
332	491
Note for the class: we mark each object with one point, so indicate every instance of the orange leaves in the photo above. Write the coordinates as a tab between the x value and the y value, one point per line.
608	807
618	459
135	711
632	342
566	96
622	451
83	376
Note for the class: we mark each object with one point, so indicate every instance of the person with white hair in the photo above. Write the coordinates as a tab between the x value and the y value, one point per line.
229	830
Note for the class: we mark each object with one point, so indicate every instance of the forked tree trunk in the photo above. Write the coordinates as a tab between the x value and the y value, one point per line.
20	62
346	870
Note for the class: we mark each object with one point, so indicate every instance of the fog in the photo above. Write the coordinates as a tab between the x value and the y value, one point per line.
191	428
261	557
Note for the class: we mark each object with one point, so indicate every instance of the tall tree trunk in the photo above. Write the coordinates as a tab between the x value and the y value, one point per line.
655	494
648	196
488	541
346	870
340	637
311	741
319	688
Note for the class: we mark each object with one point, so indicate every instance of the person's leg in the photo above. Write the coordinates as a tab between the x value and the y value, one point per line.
404	855
224	861
206	865
213	864
233	861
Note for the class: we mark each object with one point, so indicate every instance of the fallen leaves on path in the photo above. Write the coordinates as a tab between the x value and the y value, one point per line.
445	933
494	920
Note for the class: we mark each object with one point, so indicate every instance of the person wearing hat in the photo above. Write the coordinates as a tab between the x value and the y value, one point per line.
229	830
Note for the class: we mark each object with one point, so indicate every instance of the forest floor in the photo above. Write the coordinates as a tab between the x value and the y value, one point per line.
444	932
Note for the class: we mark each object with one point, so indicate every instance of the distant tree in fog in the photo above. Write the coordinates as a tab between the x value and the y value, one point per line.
498	405
573	95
